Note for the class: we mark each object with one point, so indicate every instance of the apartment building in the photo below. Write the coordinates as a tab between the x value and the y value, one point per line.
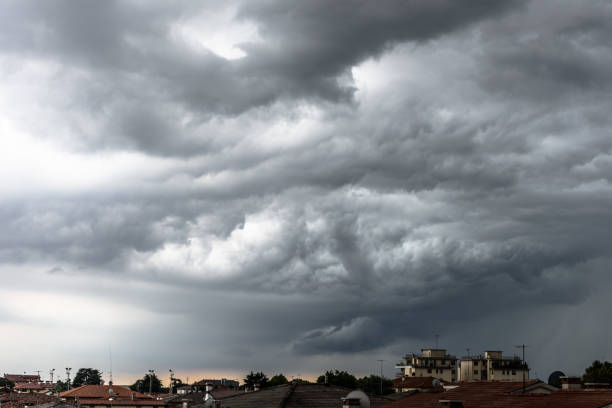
492	367
430	363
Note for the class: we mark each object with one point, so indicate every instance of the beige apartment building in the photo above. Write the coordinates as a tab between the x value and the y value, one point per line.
492	367
430	363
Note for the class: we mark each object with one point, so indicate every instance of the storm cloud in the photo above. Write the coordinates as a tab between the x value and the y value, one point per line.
281	184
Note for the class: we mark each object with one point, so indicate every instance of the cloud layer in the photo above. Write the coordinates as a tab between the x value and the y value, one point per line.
268	183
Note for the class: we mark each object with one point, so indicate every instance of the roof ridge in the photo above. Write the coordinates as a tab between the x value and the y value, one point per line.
290	390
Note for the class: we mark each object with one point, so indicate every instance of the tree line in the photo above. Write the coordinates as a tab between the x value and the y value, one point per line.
370	384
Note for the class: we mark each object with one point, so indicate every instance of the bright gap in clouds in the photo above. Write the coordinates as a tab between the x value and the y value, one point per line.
217	31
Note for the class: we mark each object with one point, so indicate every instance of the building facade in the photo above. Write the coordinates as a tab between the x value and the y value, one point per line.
492	367
430	363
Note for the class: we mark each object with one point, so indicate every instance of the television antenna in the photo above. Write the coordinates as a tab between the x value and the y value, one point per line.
523	346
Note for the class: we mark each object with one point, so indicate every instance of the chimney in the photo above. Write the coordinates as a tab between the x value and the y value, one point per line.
451	403
350	402
571	383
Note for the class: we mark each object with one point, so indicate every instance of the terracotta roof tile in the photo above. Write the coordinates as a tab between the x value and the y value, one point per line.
499	395
102	391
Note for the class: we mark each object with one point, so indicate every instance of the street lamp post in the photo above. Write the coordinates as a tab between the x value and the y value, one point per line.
151	373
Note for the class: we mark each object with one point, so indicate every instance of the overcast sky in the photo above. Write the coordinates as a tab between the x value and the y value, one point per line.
296	186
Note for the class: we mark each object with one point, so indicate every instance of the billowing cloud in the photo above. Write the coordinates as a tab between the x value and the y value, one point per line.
255	185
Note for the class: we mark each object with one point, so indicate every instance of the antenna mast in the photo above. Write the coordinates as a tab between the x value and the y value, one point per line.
110	359
522	346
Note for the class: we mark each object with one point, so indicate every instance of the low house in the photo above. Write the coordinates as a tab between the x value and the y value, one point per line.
422	384
107	396
505	394
17	400
294	395
22	378
35	387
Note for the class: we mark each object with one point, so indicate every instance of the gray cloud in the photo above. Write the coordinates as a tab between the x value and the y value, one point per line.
284	206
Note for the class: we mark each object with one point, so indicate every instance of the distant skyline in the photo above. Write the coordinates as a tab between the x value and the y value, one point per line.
296	186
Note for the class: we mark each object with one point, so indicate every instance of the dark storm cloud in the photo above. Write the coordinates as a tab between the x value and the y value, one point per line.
311	44
133	59
459	177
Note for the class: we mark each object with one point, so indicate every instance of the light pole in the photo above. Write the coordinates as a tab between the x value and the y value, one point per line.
381	376
151	373
68	376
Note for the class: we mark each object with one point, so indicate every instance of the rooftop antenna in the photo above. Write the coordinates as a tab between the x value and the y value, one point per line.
381	376
468	351
110	360
522	346
437	338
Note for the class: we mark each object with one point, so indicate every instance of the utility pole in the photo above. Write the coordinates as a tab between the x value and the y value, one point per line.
381	376
522	346
68	376
151	373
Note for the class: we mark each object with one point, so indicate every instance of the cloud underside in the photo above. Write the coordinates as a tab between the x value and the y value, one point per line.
326	178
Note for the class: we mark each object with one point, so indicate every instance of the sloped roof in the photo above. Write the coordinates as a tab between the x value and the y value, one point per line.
16	400
294	396
500	395
122	401
101	391
415	382
22	378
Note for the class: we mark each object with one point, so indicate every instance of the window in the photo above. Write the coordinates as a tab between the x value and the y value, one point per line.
413	373
452	371
513	372
476	372
429	370
475	363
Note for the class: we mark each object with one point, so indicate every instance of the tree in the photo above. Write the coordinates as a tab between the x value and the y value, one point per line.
61	386
6	383
176	383
371	385
143	384
339	378
255	378
278	379
598	372
87	376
